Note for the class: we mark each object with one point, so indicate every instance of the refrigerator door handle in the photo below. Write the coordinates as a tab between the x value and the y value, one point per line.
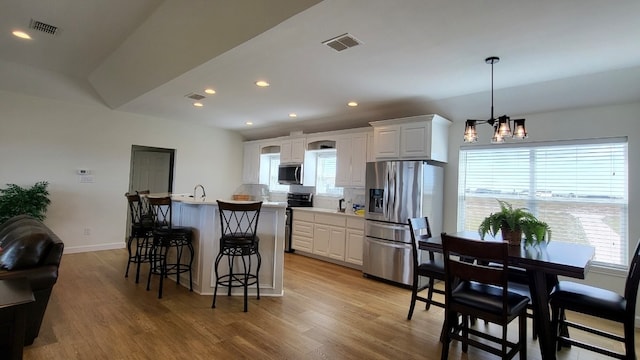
387	243
387	226
388	231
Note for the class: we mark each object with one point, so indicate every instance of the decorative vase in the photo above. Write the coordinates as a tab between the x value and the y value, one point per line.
514	237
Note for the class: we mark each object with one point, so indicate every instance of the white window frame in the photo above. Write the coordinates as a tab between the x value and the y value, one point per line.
269	172
514	174
332	190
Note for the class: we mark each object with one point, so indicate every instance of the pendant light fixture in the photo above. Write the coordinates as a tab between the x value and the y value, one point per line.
501	125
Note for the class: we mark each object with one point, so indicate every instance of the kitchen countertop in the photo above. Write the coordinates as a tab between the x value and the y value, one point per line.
328	211
212	201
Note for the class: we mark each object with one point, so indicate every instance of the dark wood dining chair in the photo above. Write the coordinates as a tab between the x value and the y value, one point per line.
476	290
599	303
430	266
519	283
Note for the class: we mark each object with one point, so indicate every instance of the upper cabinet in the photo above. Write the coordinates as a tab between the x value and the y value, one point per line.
423	137
351	160
292	151
251	164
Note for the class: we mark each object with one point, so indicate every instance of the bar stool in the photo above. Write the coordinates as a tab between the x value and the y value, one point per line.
165	238
141	228
239	240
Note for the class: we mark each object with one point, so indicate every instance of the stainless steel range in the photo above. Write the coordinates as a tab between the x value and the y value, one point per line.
294	200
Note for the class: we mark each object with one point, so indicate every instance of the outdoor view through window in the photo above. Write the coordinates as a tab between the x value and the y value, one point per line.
578	187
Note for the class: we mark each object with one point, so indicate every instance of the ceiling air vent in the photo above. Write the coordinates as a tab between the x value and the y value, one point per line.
194	96
45	28
342	42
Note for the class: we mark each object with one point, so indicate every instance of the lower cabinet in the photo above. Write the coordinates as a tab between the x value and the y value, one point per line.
321	236
354	241
336	243
332	236
302	232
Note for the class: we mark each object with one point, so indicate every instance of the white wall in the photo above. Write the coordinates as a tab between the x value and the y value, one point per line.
48	140
606	121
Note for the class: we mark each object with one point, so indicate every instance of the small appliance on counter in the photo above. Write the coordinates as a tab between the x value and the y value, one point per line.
251	192
294	200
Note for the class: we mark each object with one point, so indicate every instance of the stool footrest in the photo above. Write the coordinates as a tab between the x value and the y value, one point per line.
237	280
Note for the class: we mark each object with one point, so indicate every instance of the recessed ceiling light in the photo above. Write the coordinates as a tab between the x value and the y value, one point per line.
262	83
21	34
352	103
293	115
249	123
210	91
198	104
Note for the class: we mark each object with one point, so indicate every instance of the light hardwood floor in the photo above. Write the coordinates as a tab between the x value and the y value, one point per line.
328	312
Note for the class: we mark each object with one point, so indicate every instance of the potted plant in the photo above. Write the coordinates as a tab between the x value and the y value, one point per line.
514	223
16	200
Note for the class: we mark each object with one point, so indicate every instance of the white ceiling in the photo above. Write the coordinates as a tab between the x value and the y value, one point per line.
417	56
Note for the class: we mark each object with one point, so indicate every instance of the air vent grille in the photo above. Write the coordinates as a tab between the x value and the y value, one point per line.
342	42
45	28
195	96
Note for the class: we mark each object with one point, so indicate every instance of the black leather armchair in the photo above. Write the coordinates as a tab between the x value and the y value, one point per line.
31	250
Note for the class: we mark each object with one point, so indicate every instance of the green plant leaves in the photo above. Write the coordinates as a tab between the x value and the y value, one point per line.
534	230
16	200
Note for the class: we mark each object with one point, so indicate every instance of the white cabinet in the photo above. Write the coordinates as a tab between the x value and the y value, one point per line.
336	243
303	231
332	237
329	235
386	141
351	160
354	241
321	237
292	151
251	163
423	137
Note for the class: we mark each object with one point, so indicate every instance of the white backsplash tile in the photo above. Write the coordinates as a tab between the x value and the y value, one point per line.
350	195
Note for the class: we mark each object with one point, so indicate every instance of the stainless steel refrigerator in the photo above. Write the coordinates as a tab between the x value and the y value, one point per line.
395	192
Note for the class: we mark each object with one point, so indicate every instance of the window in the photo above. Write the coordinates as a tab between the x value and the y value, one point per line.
326	173
578	187
269	172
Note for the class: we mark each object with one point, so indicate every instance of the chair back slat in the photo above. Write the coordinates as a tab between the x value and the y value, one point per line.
239	220
135	208
633	279
161	214
420	230
458	267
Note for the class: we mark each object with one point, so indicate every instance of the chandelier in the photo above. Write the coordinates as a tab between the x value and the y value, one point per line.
501	126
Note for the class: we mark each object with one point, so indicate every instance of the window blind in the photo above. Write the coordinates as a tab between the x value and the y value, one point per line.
578	187
326	173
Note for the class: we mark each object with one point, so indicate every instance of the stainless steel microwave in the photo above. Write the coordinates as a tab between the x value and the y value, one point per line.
290	174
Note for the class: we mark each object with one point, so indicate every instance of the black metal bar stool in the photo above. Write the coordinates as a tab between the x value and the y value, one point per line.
141	228
239	241
167	237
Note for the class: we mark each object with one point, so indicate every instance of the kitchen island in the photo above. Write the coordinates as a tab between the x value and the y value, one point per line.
202	216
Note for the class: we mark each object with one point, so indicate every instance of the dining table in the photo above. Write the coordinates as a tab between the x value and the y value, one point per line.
543	263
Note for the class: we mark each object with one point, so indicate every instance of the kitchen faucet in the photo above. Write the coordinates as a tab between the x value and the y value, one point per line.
196	188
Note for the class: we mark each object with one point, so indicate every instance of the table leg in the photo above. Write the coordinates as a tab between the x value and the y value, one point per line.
539	287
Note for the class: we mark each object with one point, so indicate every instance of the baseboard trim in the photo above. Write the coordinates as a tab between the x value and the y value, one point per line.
89	248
